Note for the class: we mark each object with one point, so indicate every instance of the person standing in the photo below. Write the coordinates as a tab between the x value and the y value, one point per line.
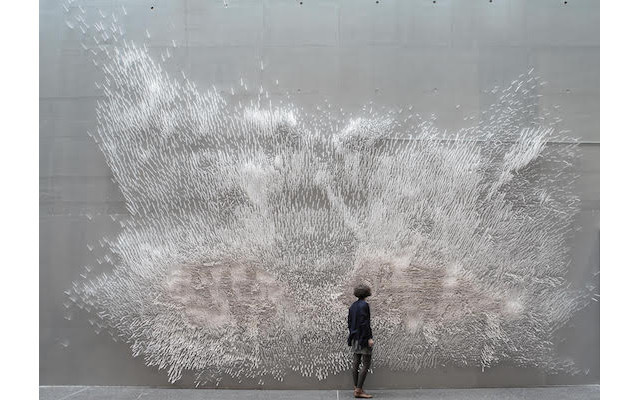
360	338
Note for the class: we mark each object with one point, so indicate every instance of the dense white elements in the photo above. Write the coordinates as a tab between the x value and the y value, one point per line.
251	222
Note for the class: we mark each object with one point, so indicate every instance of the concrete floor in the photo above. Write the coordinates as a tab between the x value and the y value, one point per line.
590	392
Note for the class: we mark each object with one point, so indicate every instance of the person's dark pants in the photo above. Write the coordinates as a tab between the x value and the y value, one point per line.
358	379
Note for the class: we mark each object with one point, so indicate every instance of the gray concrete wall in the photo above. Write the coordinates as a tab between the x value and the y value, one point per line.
395	53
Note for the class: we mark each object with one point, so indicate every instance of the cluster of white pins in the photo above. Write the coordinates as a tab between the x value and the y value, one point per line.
250	223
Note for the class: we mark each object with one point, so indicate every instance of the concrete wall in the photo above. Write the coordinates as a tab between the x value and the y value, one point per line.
395	53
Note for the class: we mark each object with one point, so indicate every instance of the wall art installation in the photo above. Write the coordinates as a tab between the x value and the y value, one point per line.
250	222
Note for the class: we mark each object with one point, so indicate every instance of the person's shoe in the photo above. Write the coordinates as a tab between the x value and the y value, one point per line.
360	394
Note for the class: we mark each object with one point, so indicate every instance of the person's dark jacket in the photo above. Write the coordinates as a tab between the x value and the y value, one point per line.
359	324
